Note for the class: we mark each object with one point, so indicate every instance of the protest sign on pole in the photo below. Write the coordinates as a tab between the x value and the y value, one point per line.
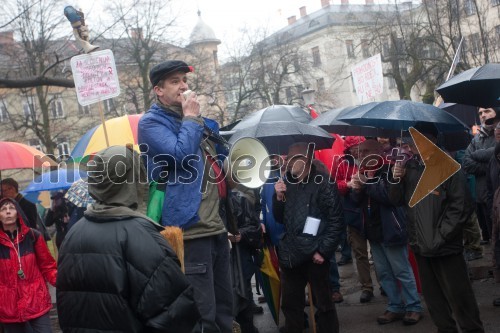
368	78
96	79
95	76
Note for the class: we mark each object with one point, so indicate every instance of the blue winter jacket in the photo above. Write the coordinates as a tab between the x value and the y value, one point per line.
171	146
273	228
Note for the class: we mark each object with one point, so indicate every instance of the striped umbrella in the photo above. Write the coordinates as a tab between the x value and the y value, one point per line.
121	131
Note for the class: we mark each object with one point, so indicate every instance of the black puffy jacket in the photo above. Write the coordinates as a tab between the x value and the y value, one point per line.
317	199
120	275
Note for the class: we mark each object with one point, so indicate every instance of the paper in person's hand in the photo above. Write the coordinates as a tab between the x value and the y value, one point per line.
311	226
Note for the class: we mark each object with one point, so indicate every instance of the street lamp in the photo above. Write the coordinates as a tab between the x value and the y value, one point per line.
308	96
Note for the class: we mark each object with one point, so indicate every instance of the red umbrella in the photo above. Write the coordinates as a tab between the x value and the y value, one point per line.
20	156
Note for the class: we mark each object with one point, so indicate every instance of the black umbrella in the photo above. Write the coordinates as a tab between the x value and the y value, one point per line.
478	86
279	135
466	113
274	113
401	115
398	116
328	121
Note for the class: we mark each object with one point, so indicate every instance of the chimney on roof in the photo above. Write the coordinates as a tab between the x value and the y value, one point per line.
303	11
369	2
7	37
136	33
292	20
325	3
344	2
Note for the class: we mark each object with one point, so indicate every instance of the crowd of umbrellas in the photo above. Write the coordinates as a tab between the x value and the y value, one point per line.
279	126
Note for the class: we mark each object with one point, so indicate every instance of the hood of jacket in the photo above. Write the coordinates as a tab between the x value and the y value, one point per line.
117	181
117	177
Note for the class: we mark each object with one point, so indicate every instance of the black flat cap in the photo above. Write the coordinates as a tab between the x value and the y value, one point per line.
159	71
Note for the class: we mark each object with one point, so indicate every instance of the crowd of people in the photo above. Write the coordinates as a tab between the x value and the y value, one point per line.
116	272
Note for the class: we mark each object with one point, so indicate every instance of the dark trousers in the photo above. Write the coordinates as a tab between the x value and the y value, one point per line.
38	325
447	291
207	269
484	218
293	283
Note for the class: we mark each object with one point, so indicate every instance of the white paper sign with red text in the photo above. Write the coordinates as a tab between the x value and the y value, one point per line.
95	77
368	78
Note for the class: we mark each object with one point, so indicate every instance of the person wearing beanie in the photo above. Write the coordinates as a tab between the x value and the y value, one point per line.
476	159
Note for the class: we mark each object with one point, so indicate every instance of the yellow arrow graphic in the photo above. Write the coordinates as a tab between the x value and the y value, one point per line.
439	166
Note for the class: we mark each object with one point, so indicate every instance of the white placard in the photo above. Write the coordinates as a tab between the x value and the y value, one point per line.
368	78
95	76
312	225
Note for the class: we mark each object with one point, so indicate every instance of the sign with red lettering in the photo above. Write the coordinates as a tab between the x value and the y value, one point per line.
368	78
95	76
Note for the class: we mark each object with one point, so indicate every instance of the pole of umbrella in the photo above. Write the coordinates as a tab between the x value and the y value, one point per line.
103	121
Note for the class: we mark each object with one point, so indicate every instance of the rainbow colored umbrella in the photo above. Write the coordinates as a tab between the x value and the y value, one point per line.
121	131
270	280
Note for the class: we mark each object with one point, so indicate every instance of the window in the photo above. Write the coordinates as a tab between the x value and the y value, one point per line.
400	45
386	48
434	52
475	43
391	82
350	48
454	10
296	64
63	146
403	71
109	106
469	7
316	56
35	143
299	88
288	92
320	84
497	35
465	48
365	48
84	110
56	107
4	115
495	2
313	23
216	59
29	110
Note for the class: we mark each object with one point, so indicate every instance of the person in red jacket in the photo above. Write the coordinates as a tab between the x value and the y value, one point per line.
26	266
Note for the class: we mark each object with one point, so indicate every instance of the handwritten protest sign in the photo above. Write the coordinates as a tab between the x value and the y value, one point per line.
368	78
95	76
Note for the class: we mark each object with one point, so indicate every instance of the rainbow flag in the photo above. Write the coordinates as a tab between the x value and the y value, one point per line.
270	280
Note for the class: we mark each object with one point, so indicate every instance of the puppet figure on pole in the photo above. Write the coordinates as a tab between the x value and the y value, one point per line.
80	30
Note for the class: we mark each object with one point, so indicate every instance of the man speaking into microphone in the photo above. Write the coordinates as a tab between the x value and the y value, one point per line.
180	153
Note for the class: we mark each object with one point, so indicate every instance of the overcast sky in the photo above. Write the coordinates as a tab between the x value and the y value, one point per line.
226	17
